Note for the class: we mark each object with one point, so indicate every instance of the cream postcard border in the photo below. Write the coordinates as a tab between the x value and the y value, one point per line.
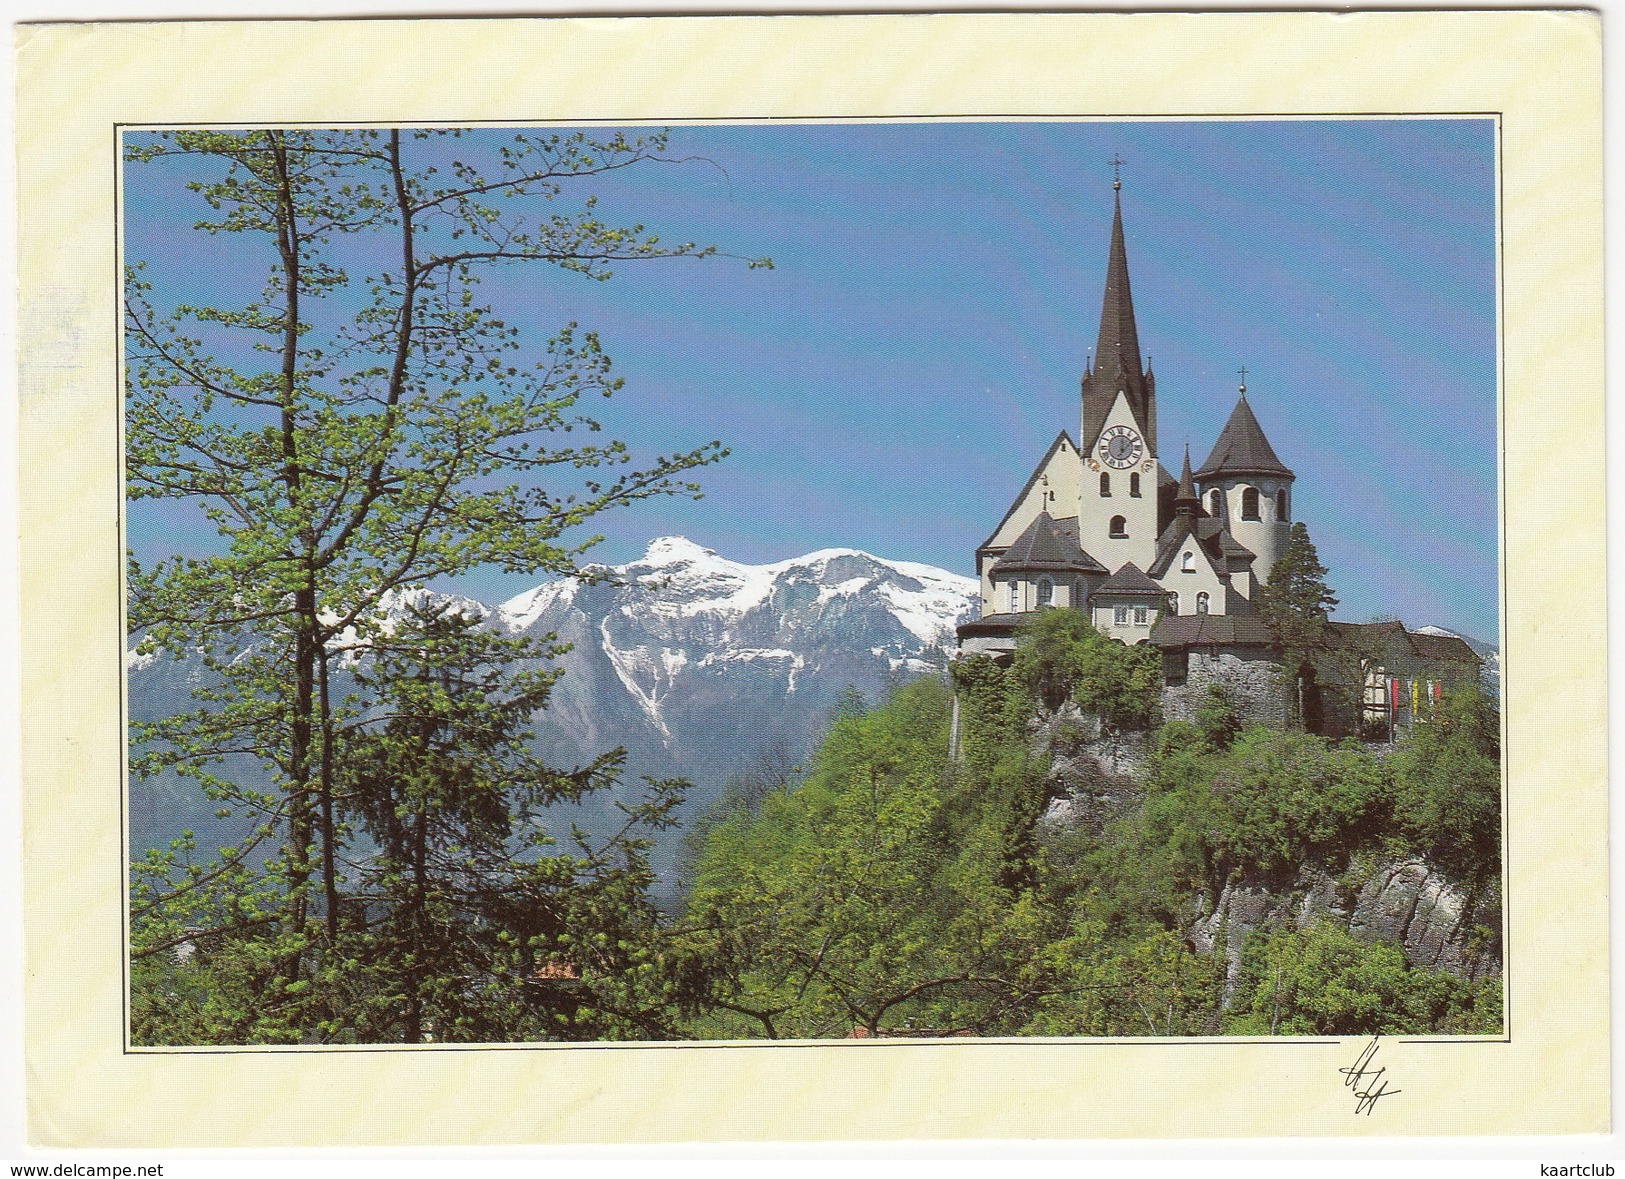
1540	72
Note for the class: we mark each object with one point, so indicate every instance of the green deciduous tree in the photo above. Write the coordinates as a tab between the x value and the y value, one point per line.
1447	779
877	896
351	438
1323	981
1060	655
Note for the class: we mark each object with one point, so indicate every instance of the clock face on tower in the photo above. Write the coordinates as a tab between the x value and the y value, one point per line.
1120	447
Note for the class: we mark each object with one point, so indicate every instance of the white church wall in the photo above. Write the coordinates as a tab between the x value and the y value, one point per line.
1053	488
1139	513
1266	534
1203	578
1128	620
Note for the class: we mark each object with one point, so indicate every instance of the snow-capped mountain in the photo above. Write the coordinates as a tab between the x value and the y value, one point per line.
1490	672
696	665
708	660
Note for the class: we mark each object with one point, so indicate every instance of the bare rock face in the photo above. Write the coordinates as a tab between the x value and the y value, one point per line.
1438	924
1093	775
1435	922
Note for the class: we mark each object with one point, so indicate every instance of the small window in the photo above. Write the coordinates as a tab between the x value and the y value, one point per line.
1046	591
1119	528
1217	500
1249	503
1174	666
1280	504
1142	615
1201	603
1134	485
1187	563
1105	485
1014	598
1120	615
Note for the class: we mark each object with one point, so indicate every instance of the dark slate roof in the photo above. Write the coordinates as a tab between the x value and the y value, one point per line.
1242	448
1169	543
1211	630
1383	636
1164	479
1187	488
1228	544
1211	534
1367	634
1062	437
1130	582
1443	647
1117	351
992	624
1048	545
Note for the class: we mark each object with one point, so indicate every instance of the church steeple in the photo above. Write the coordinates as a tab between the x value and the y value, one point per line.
1116	366
1117	349
1185	501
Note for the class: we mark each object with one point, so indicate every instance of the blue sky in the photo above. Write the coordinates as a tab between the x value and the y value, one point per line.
891	382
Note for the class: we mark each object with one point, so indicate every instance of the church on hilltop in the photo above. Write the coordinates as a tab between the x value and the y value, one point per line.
1101	526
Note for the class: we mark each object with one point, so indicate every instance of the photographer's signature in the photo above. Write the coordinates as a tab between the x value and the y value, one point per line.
1366	1081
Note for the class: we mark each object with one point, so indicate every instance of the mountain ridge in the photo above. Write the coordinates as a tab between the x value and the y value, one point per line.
698	666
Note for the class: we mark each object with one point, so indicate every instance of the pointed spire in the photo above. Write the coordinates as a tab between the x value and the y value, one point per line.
1115	366
1187	485
1242	448
1117	349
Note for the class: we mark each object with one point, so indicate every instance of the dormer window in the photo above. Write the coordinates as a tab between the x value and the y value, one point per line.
1187	563
1249	503
1105	485
1119	528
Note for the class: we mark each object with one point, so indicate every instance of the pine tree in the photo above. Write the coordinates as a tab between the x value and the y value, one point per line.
1297	600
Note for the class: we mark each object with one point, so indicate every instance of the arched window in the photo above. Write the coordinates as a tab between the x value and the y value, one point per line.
1280	504
1201	603
1134	484
1217	500
1105	483
1249	503
1046	591
1014	598
1119	528
1187	563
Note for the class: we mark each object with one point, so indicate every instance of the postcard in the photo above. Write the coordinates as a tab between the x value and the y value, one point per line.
785	578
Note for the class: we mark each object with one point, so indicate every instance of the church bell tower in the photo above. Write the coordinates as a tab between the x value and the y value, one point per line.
1117	510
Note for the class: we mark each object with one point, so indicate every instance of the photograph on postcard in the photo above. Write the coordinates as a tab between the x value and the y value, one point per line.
837	580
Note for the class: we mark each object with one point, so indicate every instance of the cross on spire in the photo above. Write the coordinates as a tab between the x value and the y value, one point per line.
1243	372
1117	179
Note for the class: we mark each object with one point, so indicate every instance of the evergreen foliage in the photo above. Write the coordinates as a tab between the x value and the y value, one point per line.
1297	600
